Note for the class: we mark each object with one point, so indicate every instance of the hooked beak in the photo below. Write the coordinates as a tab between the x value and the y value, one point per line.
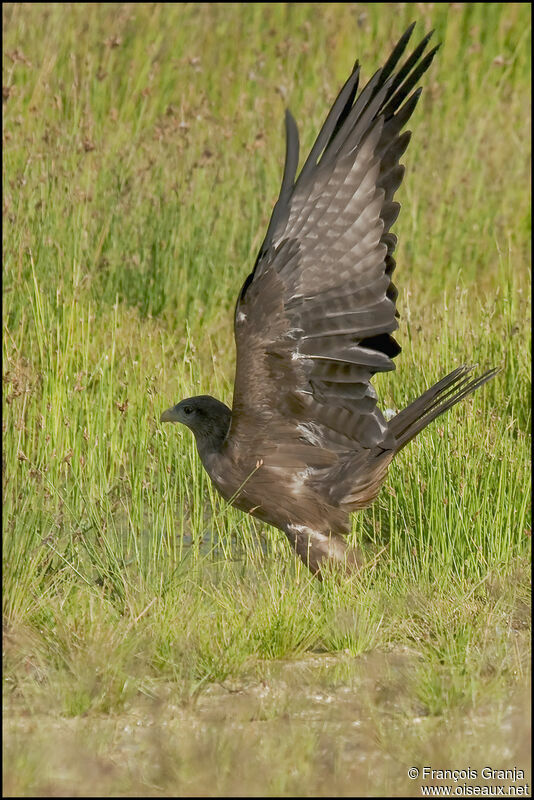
170	415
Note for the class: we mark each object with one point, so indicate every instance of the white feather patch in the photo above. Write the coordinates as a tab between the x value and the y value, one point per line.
299	480
311	432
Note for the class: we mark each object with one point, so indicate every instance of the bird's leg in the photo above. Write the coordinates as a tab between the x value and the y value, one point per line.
315	548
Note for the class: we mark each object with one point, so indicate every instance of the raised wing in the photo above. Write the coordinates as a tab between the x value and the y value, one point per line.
313	321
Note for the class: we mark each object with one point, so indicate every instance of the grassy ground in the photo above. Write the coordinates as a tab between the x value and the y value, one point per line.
155	641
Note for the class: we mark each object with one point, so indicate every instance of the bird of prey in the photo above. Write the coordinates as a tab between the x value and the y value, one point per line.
305	443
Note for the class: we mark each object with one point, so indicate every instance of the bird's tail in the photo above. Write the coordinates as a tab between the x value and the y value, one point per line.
439	398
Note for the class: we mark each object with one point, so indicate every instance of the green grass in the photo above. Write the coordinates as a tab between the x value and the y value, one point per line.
143	149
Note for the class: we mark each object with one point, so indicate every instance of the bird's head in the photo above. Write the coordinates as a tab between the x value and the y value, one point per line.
208	418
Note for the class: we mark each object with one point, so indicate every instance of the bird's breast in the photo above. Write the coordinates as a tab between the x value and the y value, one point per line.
270	492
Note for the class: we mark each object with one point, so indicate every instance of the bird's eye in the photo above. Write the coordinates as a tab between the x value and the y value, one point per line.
188	410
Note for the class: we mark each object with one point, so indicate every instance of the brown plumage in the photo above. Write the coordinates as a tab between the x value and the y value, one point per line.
305	443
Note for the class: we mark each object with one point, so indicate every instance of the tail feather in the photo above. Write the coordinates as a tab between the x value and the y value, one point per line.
435	401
